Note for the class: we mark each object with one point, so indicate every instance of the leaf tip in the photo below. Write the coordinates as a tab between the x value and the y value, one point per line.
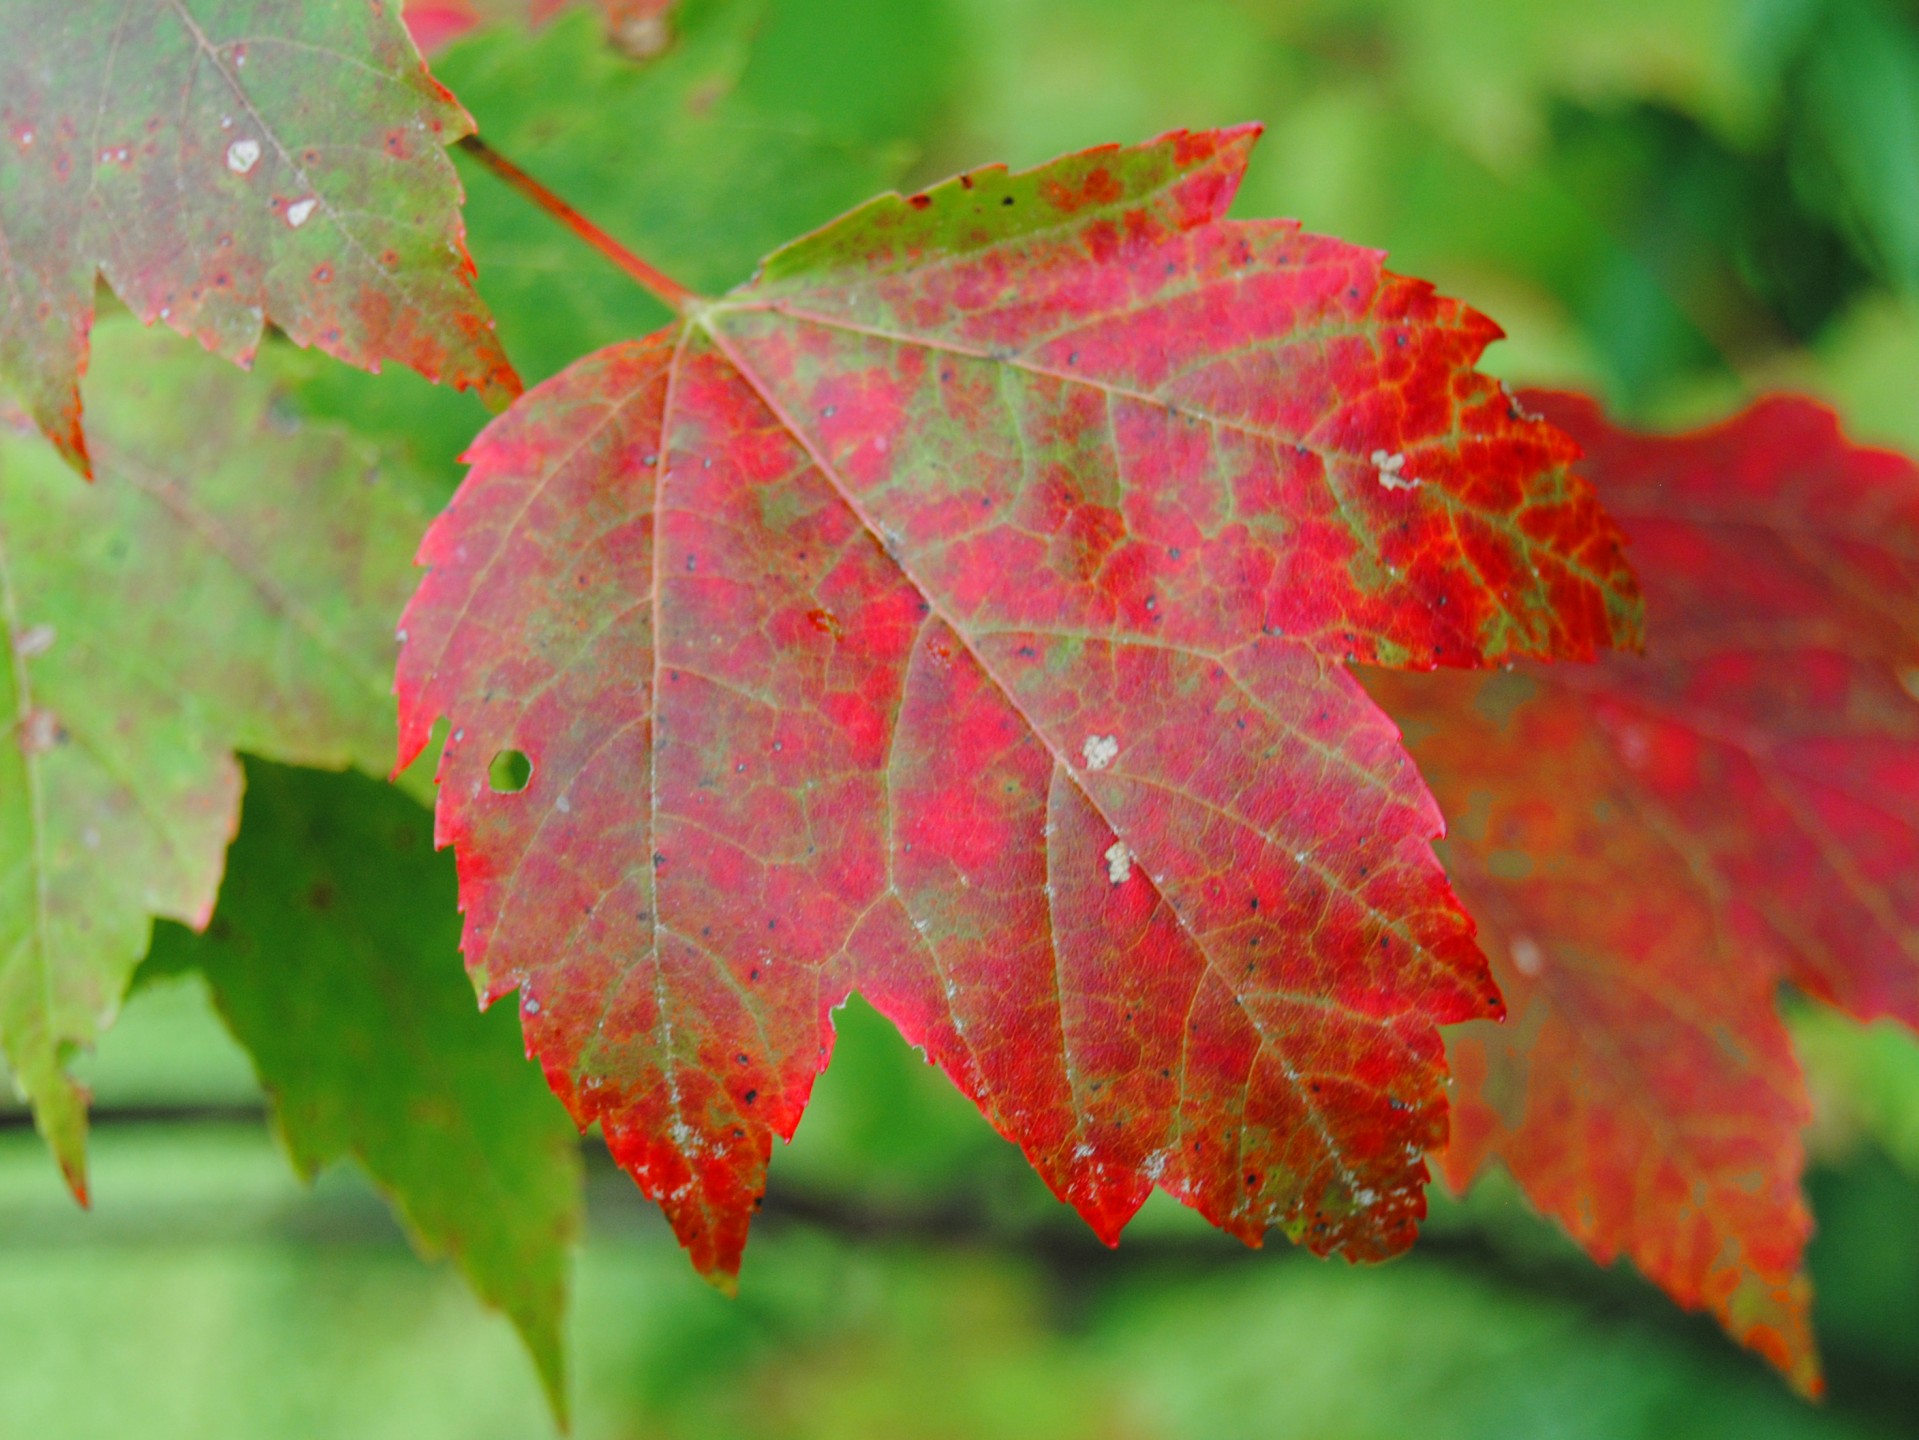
60	1114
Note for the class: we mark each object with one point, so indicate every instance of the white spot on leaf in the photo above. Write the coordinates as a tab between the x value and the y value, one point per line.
299	210
39	731
34	640
242	156
1528	958
1391	467
1100	751
1119	863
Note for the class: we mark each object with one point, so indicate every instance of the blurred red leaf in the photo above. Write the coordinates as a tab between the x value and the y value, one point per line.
959	612
640	28
1651	844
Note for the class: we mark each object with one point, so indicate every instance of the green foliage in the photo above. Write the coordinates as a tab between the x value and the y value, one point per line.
155	622
334	962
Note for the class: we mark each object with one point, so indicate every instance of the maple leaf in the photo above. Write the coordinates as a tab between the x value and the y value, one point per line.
328	959
150	626
1651	844
956	612
225	166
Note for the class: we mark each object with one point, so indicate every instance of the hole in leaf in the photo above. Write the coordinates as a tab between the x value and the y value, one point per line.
509	772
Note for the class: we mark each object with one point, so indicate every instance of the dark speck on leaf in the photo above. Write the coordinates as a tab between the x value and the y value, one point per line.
1006	199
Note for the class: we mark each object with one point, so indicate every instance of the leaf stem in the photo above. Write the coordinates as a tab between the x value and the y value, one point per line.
664	287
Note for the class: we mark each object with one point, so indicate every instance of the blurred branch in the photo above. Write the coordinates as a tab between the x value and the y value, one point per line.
1078	1264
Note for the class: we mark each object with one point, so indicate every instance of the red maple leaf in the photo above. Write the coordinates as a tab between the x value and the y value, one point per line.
1651	844
281	162
958	612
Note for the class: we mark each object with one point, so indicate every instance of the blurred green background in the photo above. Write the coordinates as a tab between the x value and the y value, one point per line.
1675	203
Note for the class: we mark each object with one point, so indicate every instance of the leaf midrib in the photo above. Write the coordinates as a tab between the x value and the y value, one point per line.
1061	762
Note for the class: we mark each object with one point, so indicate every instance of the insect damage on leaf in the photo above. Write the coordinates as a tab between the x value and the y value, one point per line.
149	626
957	613
1652	844
224	167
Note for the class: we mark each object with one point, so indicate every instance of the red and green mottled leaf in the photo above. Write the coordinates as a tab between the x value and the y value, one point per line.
958	613
1651	844
332	959
229	583
224	163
